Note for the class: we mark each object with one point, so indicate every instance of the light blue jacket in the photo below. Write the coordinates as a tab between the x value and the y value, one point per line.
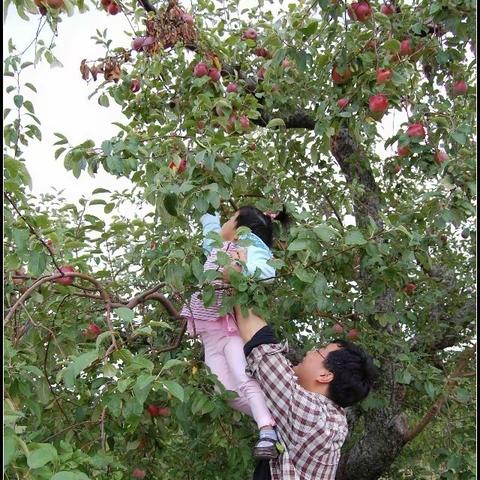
258	254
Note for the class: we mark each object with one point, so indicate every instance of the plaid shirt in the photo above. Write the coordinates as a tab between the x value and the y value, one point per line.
311	427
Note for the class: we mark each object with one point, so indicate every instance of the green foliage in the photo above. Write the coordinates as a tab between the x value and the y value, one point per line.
75	408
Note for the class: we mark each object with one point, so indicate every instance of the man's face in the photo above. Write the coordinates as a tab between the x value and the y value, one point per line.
229	228
311	371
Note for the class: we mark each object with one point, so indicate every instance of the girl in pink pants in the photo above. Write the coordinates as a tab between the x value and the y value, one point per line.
219	334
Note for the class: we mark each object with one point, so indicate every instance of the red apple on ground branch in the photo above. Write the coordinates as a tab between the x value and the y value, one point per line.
460	88
409	288
138	473
200	70
378	104
343	77
387	9
416	130
403	151
353	334
360	11
405	48
113	8
384	75
337	328
250	34
137	43
244	121
214	74
92	331
135	85
232	87
65	280
440	157
342	103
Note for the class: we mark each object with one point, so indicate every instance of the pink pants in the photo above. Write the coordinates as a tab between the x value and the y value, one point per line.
225	358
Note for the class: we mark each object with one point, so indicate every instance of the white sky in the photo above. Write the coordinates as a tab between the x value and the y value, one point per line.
62	103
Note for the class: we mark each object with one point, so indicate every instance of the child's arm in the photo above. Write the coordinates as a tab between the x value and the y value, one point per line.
253	257
210	223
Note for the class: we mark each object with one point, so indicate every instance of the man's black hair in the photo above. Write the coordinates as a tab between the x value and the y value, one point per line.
353	373
259	223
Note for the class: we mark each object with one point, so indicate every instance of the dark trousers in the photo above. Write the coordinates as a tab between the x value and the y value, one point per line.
262	470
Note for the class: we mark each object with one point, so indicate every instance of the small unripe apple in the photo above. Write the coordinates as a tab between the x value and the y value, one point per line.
252	146
65	280
384	75
440	157
135	85
371	44
138	473
232	87
416	130
341	78
200	70
353	334
214	74
405	48
286	63
137	43
403	151
337	328
113	8
387	9
250	34
244	121
378	104
460	88
342	103
409	288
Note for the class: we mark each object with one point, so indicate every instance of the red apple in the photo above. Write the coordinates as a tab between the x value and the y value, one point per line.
153	410
342	103
378	103
19	273
244	121
384	75
337	328
138	473
232	87
261	73
65	280
416	130
371	45
105	3
113	8
405	48
50	3
262	52
148	42
164	411
341	78
286	63
187	18
252	146
135	85
200	70
387	9
153	245
230	126
397	168
403	151
409	288
440	157
460	88
360	11
214	74
92	331
250	34
137	43
353	334
50	246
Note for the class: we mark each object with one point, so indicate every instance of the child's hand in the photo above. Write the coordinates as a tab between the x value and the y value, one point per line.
241	255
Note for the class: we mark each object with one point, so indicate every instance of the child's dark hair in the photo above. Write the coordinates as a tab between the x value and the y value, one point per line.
353	373
260	223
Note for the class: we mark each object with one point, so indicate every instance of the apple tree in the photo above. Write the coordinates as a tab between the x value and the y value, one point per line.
359	119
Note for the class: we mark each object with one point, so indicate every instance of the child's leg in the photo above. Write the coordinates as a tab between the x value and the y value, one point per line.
214	345
245	385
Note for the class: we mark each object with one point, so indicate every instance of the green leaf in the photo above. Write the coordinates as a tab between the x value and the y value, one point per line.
103	100
299	244
459	137
173	362
9	446
77	365
355	237
174	388
41	454
225	170
20	237
325	233
392	45
18	100
170	203
126	314
142	387
37	262
303	275
72	475
276	122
